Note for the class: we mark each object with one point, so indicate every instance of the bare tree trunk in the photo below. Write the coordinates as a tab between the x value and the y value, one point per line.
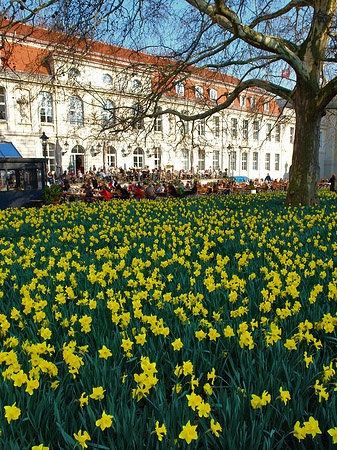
303	187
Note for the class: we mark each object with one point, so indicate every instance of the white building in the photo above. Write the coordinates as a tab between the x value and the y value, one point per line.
80	103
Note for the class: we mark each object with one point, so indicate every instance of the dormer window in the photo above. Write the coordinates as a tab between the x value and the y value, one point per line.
136	84
266	106
74	73
180	89
199	91
213	94
243	101
253	102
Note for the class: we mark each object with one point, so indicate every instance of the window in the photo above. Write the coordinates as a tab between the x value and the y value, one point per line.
267	161
244	161
232	164
74	73
268	132
201	127
266	106
50	156
138	120
108	114
245	125
157	157
278	133
138	158
234	127
107	79
243	101
253	102
216	160
201	160
217	126
292	134
46	107
277	161
158	122
185	159
256	130
136	84
2	104
111	157
255	161
199	91
213	94
180	89
76	111
184	129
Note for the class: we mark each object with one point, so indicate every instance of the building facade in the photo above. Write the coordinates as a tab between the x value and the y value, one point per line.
82	104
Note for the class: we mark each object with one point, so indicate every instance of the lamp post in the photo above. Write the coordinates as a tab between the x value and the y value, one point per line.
44	140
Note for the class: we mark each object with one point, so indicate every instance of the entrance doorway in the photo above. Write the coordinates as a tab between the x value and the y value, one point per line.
77	159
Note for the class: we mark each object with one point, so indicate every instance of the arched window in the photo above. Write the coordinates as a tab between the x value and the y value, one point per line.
138	158
112	157
46	107
107	79
76	111
74	73
2	103
108	115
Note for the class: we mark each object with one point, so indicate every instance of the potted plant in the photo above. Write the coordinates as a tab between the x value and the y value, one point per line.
52	194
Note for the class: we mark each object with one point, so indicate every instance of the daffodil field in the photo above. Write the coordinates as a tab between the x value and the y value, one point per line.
202	323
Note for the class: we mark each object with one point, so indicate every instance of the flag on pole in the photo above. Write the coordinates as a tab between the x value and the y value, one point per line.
286	73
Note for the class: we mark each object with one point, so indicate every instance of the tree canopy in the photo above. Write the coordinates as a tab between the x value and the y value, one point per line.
287	48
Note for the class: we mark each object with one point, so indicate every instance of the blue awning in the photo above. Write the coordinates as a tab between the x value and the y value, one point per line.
7	150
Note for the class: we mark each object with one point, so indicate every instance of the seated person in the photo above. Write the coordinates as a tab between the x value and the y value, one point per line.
149	191
172	190
105	193
89	196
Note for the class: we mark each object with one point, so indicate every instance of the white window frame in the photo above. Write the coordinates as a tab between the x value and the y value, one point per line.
3	112
256	130
201	127
253	102
268	131
111	157
213	94
244	159
255	165
216	126
76	116
138	158
107	79
158	122
267	161
243	101
234	127
201	160
180	89
157	157
108	114
277	162
185	159
216	159
245	129
278	133
266	106
46	107
199	91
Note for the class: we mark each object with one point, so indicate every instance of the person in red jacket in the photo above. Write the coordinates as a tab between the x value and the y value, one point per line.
105	194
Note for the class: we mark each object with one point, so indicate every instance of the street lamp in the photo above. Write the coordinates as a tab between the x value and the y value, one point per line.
44	140
66	146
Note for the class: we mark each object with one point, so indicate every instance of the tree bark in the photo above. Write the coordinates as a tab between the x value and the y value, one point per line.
304	172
